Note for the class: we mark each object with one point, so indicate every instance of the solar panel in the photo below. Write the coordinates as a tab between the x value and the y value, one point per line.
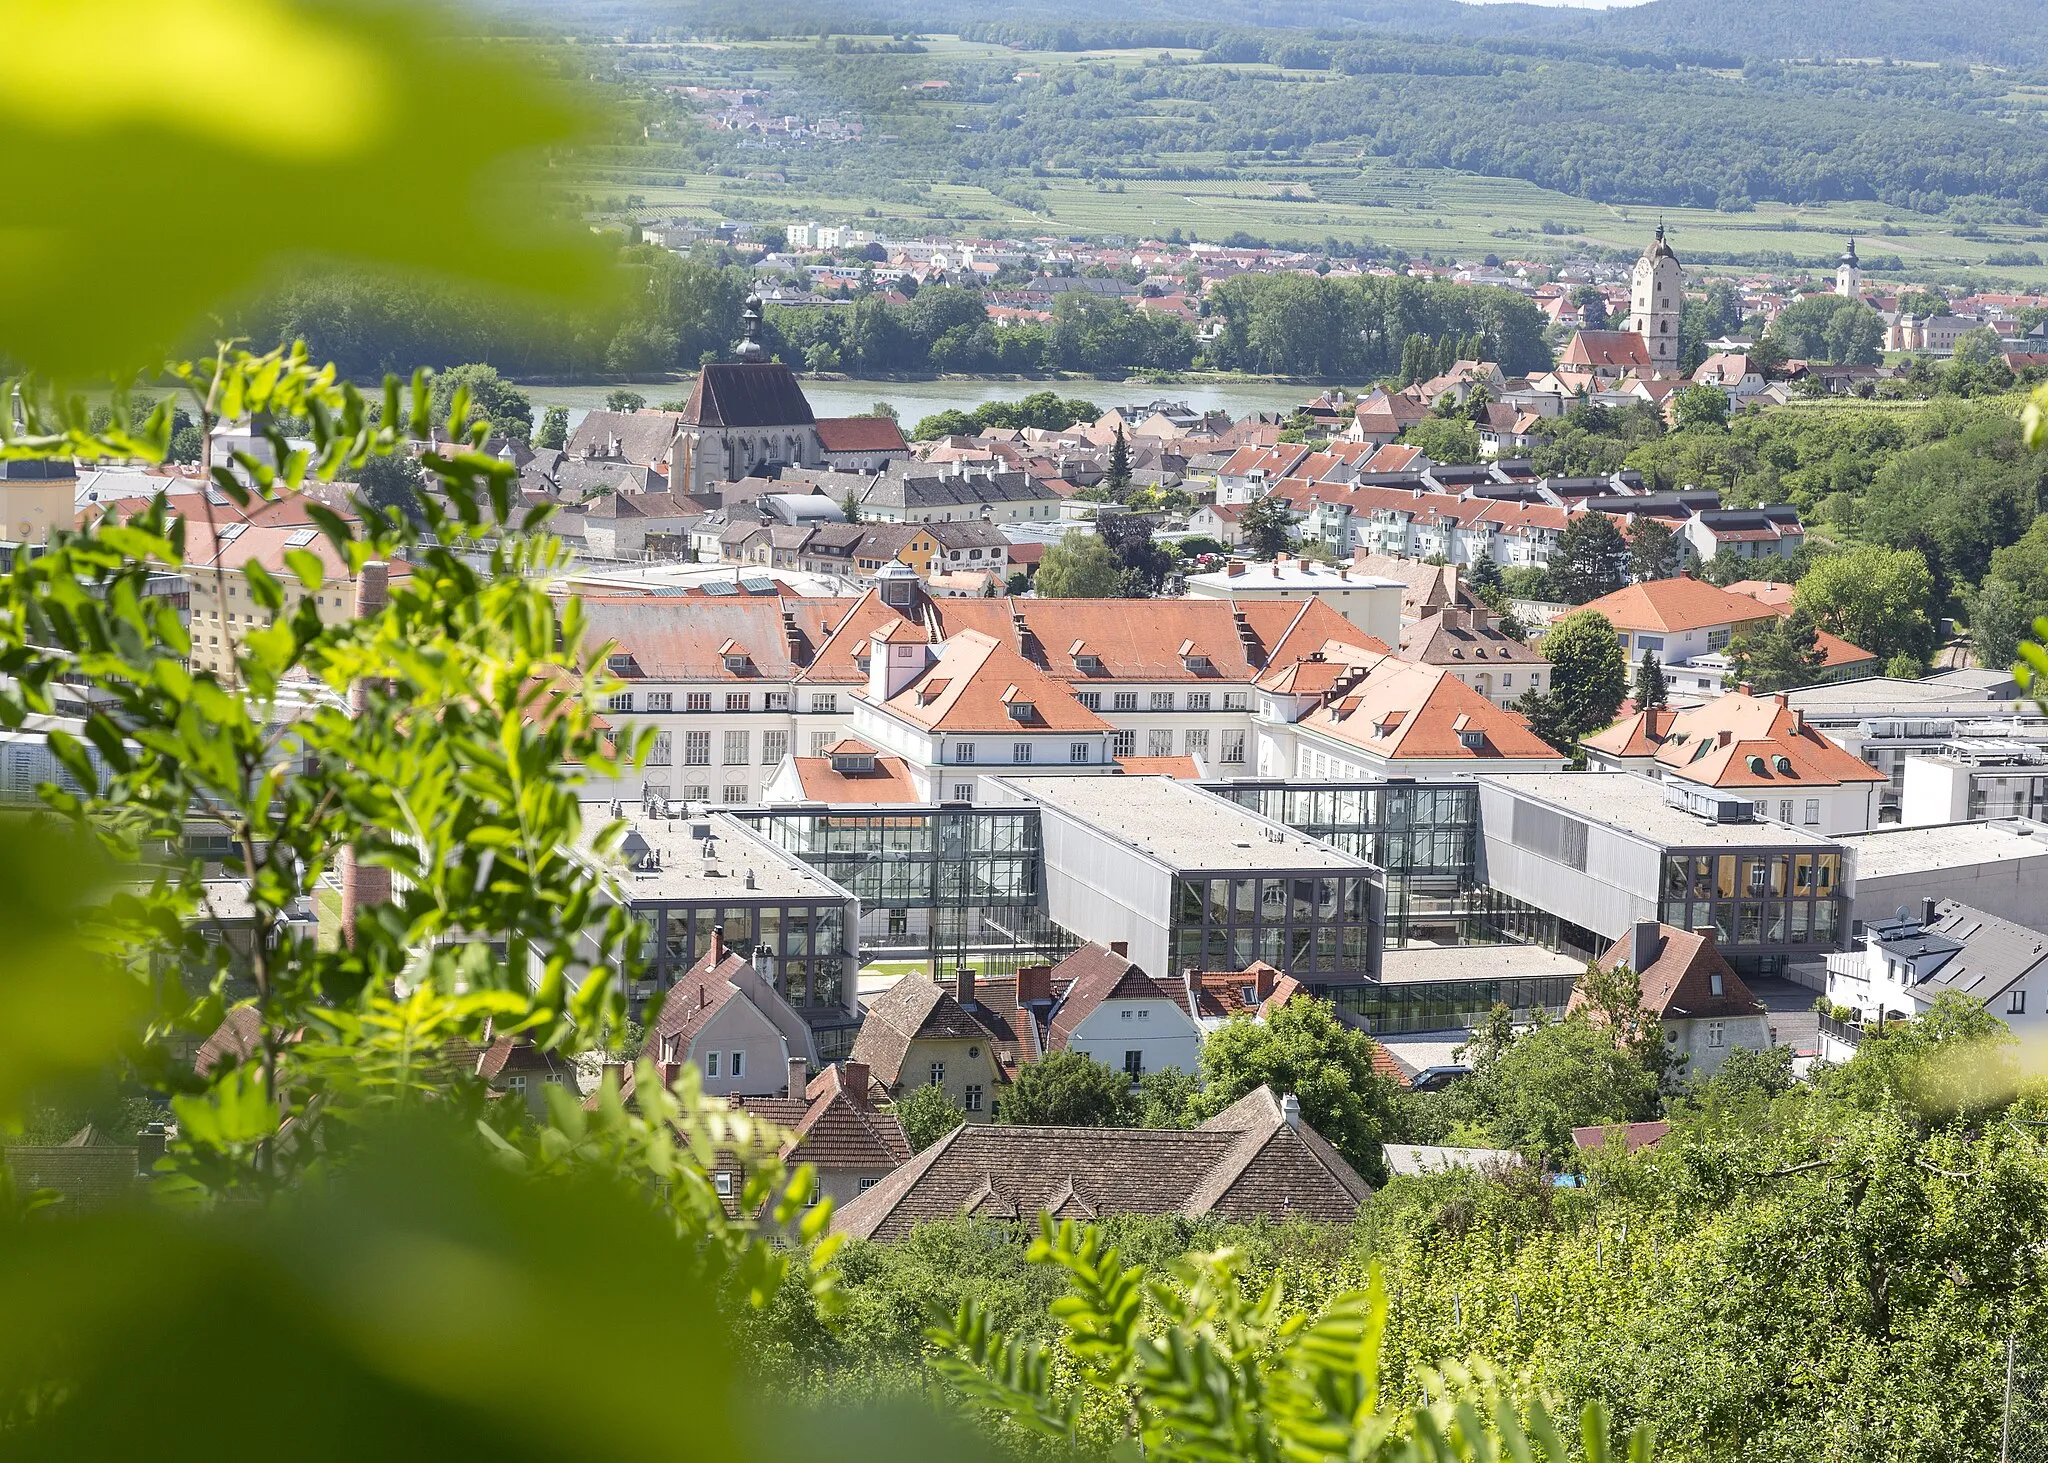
758	585
719	586
299	538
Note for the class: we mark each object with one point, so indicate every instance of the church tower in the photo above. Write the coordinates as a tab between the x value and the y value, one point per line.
1849	274
1656	293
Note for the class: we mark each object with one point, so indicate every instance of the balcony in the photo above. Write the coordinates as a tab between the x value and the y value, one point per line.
1845	1032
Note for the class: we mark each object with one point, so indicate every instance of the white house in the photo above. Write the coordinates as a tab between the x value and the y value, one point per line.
1115	1013
1907	961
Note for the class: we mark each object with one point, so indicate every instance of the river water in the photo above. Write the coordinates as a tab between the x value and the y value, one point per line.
915	399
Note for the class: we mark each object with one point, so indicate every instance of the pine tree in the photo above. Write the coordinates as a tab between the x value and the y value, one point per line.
1650	689
1118	480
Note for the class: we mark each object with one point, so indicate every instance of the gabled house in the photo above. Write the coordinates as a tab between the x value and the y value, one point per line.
517	1071
1469	645
1705	1009
730	1023
1255	1160
1906	962
834	1124
920	1034
1114	1013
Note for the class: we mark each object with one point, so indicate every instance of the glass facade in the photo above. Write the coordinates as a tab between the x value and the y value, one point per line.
1425	837
1445	1005
1318	929
803	948
1763	905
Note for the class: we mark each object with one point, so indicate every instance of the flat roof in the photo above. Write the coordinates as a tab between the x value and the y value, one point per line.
1635	805
1960	693
1886	852
1294	574
1475	962
684	873
1182	826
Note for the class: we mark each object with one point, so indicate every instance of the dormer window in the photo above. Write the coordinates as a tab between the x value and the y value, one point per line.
735	657
1022	710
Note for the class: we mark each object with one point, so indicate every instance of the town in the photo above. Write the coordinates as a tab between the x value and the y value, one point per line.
1133	845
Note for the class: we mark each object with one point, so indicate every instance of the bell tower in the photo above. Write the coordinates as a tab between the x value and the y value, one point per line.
1656	295
1849	274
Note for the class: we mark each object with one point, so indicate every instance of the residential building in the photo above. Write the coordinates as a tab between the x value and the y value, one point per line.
1906	962
1770	532
1740	379
224	609
730	1022
1886	721
1110	1010
833	1123
1750	747
1255	1160
1679	620
1609	355
917	493
519	1072
1371	602
1470	646
921	1034
617	525
1591	855
1704	1008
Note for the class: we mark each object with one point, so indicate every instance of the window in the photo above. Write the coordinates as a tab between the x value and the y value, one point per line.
696	792
1717	639
1020	751
963	792
1717	1033
1123	744
1162	700
1197	743
1785	810
697	701
517	1083
777	700
736	748
963	751
711	1064
820	740
973	1102
1763	810
938	1074
697	749
866	1184
1134	1065
723	1183
739	1064
1159	742
733	792
2017	1006
663	752
622	702
774	747
1077	751
739	700
1649	642
661	701
1198	700
1507	679
1237	700
1233	746
827	702
1090	699
1813	810
1127	701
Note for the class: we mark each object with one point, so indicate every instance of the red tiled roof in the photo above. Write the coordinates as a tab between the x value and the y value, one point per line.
860	434
1675	605
889	782
1679	982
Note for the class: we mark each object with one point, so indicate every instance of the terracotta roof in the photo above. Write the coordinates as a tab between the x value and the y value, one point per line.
1675	605
974	683
1632	1135
1606	348
1764	592
747	394
681	639
1402	709
1679	982
1094	974
860	434
832	1126
1725	741
1181	767
689	1005
1246	1162
1639	734
889	782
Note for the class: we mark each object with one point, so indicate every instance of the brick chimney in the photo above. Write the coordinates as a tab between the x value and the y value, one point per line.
1034	983
1642	946
853	1081
1264	978
1705	932
717	951
1120	947
1235	568
799	1076
963	984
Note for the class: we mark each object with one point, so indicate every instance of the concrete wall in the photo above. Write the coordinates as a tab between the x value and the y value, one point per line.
1617	887
2014	889
1104	892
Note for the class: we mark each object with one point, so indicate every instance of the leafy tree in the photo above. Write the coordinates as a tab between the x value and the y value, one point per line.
1924	304
1956	501
1780	655
1999	621
492	399
1588	675
1079	566
393	482
928	1115
1700	408
1165	1098
1561	1075
1449	440
1144	564
1591	559
554	429
1830	328
1654	551
1872	597
623	399
1267	524
849	506
1304	1049
1905	666
1592	306
1651	691
1744	1076
1069	1089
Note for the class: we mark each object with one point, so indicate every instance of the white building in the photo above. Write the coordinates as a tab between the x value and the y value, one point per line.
1909	960
1370	602
1115	1013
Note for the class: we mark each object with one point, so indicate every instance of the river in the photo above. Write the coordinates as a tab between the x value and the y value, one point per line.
915	399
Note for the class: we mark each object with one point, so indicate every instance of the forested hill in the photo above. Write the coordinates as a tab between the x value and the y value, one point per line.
2002	32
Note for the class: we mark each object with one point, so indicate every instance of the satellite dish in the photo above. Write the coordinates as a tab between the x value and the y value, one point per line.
1902	913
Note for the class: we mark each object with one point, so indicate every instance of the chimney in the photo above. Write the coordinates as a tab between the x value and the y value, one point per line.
963	984
1290	1110
149	1147
717	946
799	1076
853	1081
1263	981
1034	983
1705	932
360	885
1642	946
1235	568
1927	912
1120	947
